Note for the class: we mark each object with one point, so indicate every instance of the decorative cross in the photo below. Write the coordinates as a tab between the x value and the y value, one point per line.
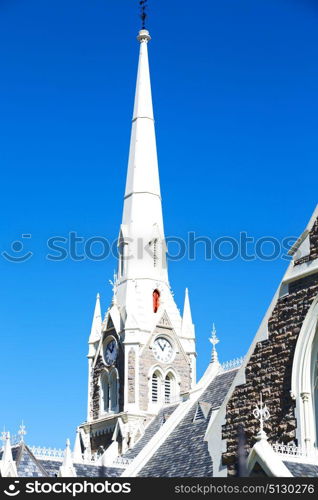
22	432
262	414
214	341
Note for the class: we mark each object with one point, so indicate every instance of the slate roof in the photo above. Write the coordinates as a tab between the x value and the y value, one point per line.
51	467
14	451
82	470
93	471
184	453
302	470
29	466
150	431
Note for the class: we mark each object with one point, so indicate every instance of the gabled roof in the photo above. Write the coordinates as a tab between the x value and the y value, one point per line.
184	453
27	464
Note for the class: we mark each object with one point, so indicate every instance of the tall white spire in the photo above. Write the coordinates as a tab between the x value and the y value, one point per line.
143	176
142	233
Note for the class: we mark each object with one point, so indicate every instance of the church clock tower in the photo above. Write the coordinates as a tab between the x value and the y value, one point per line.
142	355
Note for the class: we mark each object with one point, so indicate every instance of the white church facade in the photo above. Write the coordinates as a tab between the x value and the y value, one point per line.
147	415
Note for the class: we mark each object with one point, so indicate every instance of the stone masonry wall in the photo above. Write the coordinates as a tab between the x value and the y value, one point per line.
269	371
99	367
147	361
313	242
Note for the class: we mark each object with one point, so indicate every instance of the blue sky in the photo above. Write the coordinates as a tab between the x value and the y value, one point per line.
235	97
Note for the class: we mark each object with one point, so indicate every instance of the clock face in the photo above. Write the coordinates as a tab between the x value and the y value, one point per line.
162	350
111	352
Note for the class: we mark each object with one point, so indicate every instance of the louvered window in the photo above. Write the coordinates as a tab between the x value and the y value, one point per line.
168	389
199	415
154	388
155	253
113	391
105	393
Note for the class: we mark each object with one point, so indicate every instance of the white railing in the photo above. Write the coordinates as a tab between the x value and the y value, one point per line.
43	453
295	452
233	363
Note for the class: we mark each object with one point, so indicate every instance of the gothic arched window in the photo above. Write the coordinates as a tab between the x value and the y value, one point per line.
113	390
168	388
304	387
156	300
122	256
104	400
155	387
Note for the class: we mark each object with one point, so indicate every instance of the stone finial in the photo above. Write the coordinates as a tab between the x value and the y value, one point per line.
22	431
214	341
261	413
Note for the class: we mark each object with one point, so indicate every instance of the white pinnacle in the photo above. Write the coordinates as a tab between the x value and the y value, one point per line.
187	325
7	453
77	452
67	468
96	323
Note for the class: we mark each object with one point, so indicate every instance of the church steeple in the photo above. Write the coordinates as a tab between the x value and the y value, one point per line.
142	233
143	355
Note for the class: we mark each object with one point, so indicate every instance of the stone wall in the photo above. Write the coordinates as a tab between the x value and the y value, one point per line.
269	371
99	367
180	364
313	242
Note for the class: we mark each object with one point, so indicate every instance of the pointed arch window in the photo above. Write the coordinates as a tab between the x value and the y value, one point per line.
156	300
168	388
113	391
104	406
304	387
155	387
122	256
